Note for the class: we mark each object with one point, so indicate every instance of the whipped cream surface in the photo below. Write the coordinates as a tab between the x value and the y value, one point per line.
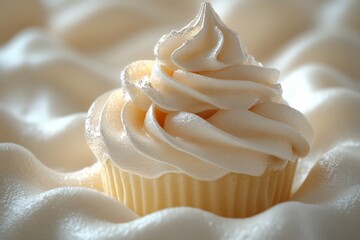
204	107
50	185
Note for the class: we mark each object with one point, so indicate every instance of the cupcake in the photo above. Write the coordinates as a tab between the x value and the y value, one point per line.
203	125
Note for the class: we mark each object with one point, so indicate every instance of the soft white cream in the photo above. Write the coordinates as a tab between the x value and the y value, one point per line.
205	107
46	88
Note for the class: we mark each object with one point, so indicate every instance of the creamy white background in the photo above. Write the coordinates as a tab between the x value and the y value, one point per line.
56	57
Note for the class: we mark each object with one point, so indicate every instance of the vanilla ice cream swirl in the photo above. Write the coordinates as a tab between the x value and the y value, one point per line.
204	107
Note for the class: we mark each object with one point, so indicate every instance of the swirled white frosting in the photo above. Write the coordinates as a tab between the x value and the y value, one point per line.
46	89
205	44
204	107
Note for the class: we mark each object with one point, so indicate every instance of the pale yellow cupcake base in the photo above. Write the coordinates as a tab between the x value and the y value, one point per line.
234	195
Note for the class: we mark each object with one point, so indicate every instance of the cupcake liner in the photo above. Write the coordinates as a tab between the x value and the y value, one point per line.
233	195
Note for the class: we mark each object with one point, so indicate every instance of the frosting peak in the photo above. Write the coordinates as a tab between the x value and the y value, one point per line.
205	44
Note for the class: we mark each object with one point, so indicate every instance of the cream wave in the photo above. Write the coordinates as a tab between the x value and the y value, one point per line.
198	118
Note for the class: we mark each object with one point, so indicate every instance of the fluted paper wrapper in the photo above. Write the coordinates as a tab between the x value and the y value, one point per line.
234	195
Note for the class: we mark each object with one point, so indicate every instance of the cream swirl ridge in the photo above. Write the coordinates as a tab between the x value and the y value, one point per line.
203	107
148	82
204	44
